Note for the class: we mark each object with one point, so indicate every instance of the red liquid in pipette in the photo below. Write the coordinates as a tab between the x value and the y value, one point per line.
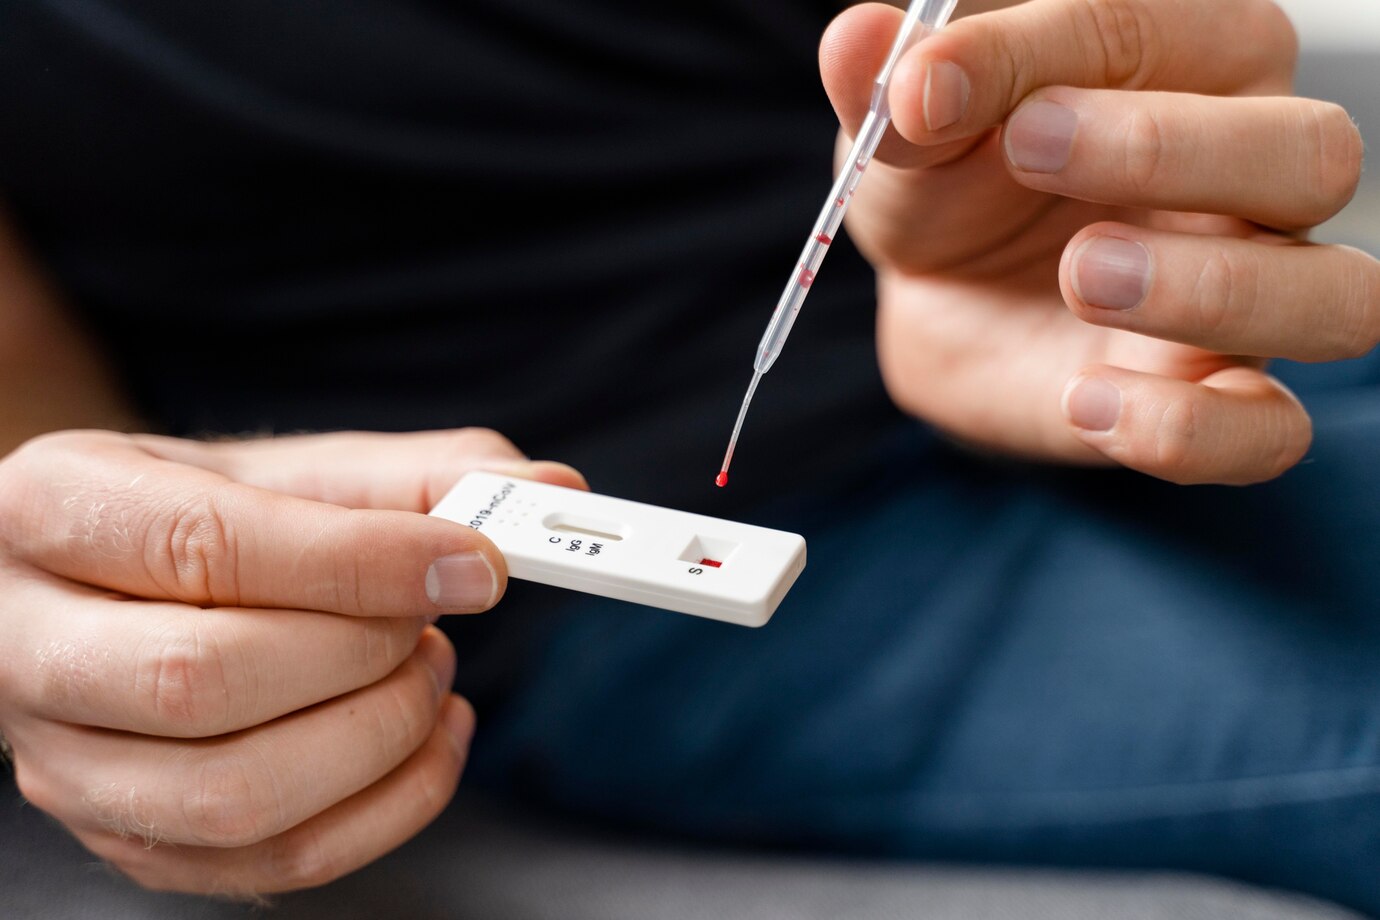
922	18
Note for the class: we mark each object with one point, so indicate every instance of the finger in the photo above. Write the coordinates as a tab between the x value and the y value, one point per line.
165	669
1284	162
1239	297
240	789
1236	427
400	472
851	53
913	212
97	509
336	842
987	64
920	221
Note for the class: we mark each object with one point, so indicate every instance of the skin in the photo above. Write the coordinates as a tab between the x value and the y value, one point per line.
1184	143
216	663
217	667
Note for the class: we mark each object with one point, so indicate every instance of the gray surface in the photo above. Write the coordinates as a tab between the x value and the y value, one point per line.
483	862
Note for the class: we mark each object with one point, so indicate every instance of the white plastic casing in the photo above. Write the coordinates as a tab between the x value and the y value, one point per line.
630	551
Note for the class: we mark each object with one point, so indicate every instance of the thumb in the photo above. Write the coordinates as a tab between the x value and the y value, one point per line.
853	49
401	472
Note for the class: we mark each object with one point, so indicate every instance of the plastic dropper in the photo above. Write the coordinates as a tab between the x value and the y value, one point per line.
923	18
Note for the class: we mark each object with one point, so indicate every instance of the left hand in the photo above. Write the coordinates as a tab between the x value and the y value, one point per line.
1089	229
224	647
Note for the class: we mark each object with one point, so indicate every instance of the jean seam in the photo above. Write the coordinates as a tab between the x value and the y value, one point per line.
1166	800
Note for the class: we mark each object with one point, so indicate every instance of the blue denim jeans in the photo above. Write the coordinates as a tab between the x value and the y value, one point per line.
987	661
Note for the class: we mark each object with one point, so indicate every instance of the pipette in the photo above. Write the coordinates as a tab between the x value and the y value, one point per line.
923	18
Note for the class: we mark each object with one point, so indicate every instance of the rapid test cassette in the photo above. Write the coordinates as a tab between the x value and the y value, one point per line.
629	551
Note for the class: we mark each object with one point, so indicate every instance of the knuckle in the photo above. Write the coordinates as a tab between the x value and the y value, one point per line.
1143	162
382	642
201	553
348	583
181	680
406	708
1019	59
229	803
301	859
1223	295
1122	33
1174	432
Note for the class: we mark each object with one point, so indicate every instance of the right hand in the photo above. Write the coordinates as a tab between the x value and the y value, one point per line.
226	646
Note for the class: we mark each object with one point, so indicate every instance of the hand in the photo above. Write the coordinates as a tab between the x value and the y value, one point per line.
1088	226
204	645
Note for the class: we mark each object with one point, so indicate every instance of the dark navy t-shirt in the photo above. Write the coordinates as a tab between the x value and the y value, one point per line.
568	220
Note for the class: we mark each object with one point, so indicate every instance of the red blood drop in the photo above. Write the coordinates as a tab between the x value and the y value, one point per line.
824	238
838	203
714	562
721	480
807	277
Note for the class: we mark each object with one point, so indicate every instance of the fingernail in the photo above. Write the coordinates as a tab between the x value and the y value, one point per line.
1111	273
946	94
462	580
439	659
459	722
1093	404
1039	137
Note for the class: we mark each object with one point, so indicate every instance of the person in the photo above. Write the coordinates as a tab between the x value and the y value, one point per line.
1019	638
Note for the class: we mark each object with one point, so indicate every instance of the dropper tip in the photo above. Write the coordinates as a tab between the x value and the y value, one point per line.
721	480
